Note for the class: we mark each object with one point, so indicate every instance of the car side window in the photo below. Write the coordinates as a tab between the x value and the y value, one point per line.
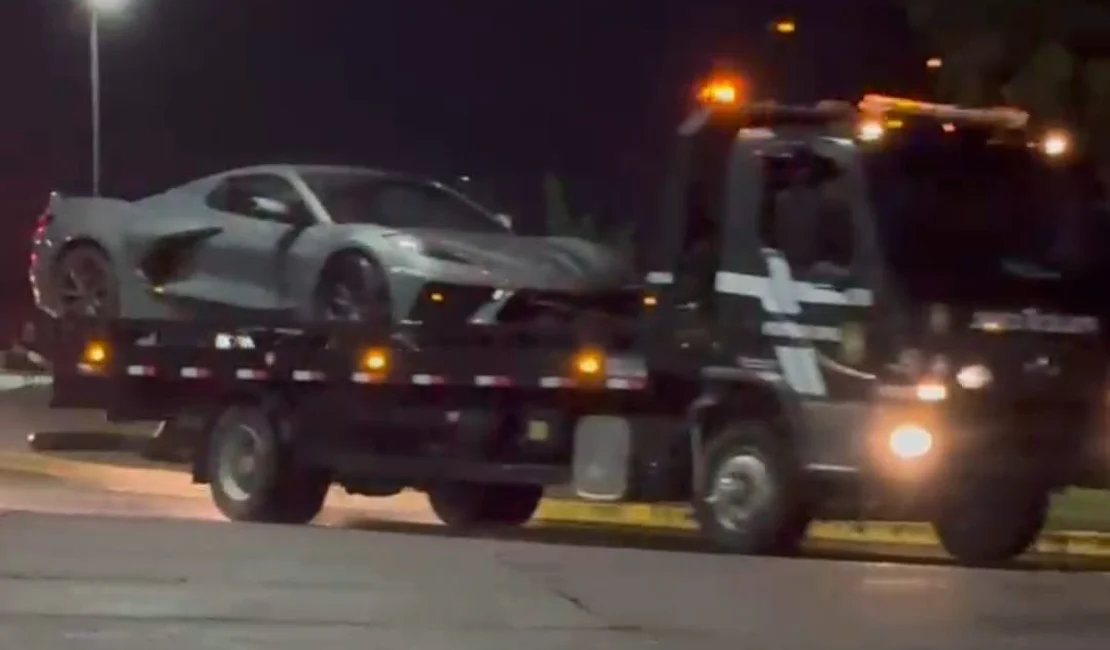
398	206
805	212
269	197
411	205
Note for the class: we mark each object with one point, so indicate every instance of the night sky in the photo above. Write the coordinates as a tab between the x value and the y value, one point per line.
499	90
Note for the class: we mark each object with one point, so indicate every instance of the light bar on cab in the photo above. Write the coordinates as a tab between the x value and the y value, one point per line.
882	105
719	92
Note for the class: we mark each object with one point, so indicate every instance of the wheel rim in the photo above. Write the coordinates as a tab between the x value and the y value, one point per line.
85	287
342	304
239	463
740	489
353	300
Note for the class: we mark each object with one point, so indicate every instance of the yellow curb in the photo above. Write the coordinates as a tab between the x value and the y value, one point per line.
676	517
171	483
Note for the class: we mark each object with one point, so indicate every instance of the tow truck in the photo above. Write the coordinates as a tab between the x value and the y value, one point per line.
843	367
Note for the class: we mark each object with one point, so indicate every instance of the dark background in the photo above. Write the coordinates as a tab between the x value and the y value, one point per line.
502	91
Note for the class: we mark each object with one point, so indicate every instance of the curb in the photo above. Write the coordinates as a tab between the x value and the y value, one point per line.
555	511
672	517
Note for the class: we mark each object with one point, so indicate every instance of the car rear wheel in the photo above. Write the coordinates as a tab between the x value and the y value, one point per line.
86	283
353	289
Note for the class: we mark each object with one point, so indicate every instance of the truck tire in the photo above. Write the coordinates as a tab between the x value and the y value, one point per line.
987	522
477	505
750	499
252	477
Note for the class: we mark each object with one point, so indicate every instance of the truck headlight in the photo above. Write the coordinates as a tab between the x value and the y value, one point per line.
974	377
910	441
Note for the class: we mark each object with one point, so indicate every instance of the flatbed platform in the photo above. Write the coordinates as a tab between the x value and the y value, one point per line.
464	367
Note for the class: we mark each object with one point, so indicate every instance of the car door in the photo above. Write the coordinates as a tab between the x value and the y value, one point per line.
245	266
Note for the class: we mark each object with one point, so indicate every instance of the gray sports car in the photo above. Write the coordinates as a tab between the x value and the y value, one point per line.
312	243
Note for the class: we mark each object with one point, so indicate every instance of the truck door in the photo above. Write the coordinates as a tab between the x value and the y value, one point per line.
811	281
682	246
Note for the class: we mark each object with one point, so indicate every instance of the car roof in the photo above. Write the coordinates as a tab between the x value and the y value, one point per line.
286	168
205	183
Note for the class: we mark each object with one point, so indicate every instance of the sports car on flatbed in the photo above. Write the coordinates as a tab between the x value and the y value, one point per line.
313	243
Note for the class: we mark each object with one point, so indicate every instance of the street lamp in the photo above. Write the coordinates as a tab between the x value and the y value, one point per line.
96	8
785	26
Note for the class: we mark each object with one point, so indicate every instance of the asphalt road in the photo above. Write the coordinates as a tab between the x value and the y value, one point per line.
90	570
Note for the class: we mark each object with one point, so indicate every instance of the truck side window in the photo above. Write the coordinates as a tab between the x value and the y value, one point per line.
806	214
700	254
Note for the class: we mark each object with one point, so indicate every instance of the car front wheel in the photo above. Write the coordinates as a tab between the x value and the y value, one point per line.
353	289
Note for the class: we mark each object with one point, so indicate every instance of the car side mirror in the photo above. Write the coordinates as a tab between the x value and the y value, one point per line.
262	205
504	220
295	214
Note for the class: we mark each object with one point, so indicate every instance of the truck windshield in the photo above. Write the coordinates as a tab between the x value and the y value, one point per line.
976	220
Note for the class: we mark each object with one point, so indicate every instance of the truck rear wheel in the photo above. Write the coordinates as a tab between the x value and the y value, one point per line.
987	521
750	498
253	478
470	505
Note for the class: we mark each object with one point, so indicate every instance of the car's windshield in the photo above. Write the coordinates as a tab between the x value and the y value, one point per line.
371	199
976	216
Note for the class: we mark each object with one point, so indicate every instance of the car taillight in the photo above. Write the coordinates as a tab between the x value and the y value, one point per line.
44	221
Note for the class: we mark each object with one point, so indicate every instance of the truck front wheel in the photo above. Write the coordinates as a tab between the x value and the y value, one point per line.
750	499
985	522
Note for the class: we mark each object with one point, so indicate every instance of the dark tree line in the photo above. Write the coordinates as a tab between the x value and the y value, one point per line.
1050	57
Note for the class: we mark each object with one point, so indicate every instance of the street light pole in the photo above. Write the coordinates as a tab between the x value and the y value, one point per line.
94	87
95	9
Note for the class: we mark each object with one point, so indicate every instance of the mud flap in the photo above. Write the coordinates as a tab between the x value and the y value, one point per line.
602	457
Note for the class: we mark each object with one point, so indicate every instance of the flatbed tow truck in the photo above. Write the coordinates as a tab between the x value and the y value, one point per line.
765	383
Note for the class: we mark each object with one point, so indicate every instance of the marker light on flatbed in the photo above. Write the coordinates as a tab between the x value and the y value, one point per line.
95	354
589	363
375	360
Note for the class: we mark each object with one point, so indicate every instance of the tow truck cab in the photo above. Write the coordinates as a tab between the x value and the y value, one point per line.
911	294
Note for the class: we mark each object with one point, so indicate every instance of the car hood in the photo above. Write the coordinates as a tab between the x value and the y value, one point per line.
552	263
